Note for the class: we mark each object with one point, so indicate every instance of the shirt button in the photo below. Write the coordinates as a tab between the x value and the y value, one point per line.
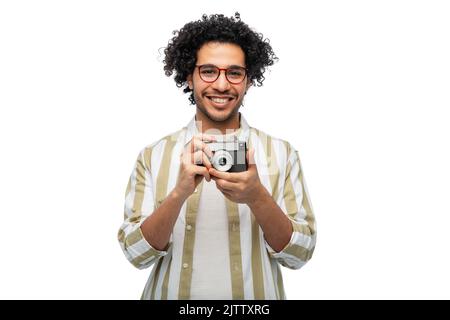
133	209
185	265
189	227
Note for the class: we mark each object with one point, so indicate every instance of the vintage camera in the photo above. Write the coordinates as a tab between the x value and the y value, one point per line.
228	154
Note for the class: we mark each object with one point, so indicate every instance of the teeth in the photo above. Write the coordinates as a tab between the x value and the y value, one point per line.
219	100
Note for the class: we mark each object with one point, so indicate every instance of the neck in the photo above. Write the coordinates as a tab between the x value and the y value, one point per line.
206	125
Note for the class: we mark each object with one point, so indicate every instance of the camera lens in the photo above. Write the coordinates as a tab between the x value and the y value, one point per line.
222	160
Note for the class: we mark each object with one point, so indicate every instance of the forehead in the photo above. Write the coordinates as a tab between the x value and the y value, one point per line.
221	54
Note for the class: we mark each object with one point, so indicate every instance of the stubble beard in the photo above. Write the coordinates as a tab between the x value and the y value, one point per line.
224	118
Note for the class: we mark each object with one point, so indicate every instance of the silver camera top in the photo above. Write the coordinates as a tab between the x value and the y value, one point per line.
224	143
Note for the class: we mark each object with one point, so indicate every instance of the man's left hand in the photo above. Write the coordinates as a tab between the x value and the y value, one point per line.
240	187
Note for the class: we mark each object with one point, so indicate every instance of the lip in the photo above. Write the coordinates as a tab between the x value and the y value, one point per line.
219	105
221	97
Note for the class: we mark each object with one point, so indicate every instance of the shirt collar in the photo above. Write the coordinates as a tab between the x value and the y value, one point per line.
243	131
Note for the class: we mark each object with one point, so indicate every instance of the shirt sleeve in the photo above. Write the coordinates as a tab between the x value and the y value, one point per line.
297	205
139	204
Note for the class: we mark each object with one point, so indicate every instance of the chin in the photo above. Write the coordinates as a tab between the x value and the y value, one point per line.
221	114
219	117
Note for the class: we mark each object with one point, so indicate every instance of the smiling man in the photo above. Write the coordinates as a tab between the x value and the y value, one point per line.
212	227
218	98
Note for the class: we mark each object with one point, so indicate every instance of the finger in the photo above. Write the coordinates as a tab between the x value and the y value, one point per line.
191	145
206	161
200	145
204	137
219	187
226	185
224	191
227	194
229	176
199	158
196	158
202	171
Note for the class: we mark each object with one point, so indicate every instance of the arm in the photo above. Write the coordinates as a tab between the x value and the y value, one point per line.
290	237
145	233
158	227
276	226
290	232
297	206
139	204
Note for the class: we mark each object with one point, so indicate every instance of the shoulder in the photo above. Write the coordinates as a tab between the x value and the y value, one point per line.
269	142
172	137
157	146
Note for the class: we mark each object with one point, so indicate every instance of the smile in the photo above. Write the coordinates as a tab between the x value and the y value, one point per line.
219	101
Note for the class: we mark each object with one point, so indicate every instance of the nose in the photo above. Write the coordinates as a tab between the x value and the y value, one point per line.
221	84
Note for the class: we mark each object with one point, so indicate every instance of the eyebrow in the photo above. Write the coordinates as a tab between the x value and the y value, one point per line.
229	66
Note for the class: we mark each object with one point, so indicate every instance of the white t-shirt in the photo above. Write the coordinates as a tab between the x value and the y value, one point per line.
211	276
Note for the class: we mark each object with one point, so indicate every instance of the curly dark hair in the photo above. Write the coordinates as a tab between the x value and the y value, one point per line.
181	51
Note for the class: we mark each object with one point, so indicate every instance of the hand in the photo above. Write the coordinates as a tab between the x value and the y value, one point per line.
191	174
240	187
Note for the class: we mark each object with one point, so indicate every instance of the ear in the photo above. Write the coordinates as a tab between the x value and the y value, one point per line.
189	81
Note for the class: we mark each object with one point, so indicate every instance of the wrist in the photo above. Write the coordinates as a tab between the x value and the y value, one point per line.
259	199
177	195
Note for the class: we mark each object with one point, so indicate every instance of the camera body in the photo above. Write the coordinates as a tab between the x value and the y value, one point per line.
229	155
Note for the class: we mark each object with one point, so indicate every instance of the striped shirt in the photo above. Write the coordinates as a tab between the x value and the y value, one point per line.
254	266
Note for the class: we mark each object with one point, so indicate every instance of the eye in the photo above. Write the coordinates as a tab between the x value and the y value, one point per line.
235	72
208	71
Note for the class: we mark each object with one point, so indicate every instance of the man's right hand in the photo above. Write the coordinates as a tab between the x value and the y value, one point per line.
195	152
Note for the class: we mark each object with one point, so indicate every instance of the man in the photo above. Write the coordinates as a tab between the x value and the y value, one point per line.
213	234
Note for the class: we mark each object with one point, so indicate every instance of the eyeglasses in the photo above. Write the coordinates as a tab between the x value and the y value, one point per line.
210	73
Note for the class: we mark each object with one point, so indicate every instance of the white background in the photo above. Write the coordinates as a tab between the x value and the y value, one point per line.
361	90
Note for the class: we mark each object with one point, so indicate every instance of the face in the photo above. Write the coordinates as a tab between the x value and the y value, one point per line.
209	96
